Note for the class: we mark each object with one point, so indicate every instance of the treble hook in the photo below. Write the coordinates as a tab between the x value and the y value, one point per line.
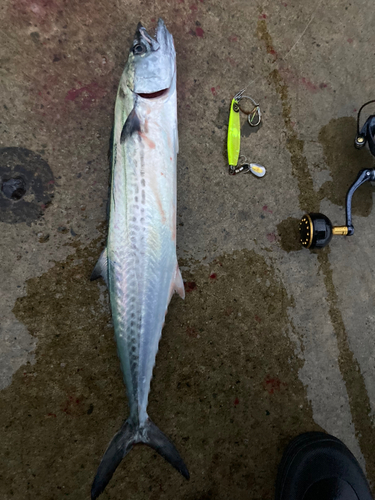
253	113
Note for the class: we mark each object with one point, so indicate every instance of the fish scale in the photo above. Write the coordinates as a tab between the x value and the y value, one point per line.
139	263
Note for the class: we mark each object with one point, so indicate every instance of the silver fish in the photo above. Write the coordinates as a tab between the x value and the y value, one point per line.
139	263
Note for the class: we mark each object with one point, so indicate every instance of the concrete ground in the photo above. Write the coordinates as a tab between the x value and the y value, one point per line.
272	339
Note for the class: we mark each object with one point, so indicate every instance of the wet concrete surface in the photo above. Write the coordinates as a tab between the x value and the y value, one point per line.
218	407
272	339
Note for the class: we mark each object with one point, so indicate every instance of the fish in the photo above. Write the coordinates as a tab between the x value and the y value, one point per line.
139	263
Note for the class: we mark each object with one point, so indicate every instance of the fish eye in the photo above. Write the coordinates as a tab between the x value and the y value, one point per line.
139	49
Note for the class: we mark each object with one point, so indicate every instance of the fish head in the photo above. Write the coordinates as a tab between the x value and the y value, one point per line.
152	61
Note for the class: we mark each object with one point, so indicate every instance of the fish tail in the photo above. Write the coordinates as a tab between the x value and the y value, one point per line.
124	440
157	440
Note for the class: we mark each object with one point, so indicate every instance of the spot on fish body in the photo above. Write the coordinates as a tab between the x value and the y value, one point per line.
147	140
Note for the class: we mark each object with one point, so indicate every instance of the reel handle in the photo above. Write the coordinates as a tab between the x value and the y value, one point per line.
316	229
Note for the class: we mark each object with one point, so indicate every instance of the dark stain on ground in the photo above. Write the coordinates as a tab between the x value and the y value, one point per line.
225	153
247	130
344	162
229	396
26	185
264	36
289	237
309	200
222	118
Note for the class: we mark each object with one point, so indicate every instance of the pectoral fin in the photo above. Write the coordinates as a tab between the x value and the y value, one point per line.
131	126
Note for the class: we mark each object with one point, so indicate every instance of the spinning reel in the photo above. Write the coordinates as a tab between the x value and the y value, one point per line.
316	230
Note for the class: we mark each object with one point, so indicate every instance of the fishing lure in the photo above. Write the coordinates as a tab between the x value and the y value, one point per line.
234	136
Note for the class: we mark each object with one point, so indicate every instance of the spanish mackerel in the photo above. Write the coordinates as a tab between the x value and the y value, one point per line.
139	263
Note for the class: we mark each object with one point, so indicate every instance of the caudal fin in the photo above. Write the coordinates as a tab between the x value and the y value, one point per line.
153	437
123	442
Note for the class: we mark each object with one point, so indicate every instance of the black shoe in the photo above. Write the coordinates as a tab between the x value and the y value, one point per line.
317	466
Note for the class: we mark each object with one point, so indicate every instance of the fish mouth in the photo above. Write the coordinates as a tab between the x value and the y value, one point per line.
153	95
159	37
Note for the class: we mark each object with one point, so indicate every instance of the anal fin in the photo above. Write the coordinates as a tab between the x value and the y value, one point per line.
101	268
178	283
